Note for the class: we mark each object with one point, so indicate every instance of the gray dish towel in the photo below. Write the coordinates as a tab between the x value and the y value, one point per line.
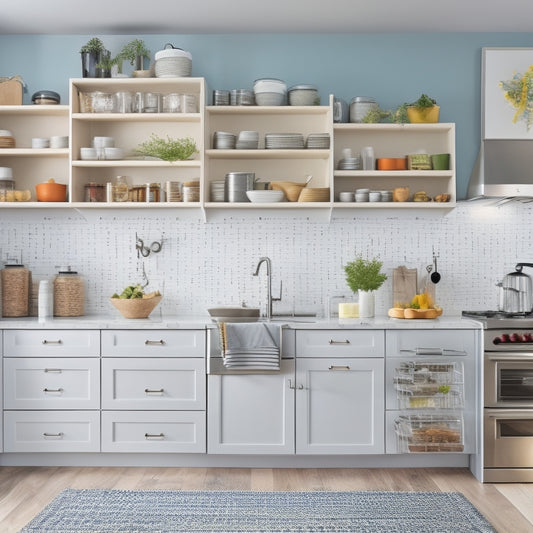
250	345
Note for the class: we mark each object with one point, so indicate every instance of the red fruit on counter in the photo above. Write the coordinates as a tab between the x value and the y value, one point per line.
504	338
515	337
526	337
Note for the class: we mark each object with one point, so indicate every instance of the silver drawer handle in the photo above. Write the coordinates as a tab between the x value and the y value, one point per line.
53	435
331	341
154	391
332	367
154	436
56	370
57	391
294	387
59	341
155	343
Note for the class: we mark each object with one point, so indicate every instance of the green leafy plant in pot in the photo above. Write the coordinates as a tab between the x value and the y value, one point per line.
364	276
135	53
423	110
92	53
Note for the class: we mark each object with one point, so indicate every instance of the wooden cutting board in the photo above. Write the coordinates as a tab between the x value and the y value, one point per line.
10	92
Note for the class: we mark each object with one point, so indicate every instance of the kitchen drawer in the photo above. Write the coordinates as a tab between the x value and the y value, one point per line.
51	343
51	431
51	383
340	343
158	383
153	431
424	343
161	343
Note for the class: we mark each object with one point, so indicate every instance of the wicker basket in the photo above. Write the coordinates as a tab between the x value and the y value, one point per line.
136	307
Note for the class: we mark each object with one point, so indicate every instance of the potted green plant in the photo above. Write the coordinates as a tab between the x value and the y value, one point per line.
135	52
105	64
425	109
364	276
91	54
168	149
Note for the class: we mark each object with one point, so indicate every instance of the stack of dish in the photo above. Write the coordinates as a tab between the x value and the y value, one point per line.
242	97
350	163
173	63
216	190
6	139
222	140
247	140
281	141
39	143
220	97
270	91
318	140
173	191
59	141
314	194
303	95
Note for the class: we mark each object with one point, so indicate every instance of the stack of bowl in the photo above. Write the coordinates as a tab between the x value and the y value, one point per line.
223	140
270	91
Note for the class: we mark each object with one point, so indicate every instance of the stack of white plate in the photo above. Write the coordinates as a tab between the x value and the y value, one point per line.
173	63
59	141
38	143
318	140
247	140
281	141
350	163
216	191
242	97
222	140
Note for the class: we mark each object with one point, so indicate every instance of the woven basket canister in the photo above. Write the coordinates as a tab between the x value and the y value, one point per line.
16	291
69	294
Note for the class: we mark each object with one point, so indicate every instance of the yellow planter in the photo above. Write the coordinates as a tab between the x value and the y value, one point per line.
417	116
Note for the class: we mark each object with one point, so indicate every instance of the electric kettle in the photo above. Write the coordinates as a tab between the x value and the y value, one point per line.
516	291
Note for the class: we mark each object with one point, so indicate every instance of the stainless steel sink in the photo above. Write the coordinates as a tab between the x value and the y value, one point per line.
234	313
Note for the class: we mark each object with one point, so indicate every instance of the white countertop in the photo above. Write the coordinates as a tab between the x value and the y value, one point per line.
201	322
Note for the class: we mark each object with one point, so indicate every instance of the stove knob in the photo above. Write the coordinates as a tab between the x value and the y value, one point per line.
515	337
526	337
496	340
504	337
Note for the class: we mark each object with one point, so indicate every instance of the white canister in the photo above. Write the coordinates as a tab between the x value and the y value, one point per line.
45	300
360	106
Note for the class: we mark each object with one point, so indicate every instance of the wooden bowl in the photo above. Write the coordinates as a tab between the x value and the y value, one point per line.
314	194
135	307
291	189
400	194
51	192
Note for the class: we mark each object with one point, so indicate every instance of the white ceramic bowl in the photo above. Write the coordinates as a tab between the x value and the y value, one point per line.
59	141
113	153
270	85
270	98
5	133
88	154
103	142
38	142
265	197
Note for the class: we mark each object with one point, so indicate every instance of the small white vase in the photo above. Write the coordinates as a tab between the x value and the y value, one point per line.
366	304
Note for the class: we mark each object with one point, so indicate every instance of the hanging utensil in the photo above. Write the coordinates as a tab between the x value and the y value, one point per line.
435	276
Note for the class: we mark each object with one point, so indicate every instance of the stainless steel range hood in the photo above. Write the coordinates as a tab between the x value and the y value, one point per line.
503	169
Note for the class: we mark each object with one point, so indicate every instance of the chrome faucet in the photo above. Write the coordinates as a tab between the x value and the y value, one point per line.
269	284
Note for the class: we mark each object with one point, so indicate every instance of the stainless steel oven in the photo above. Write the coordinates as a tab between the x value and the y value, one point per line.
508	397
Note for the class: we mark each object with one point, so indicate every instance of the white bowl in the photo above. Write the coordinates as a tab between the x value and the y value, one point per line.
38	142
103	142
5	133
113	153
59	141
270	98
87	153
270	85
265	197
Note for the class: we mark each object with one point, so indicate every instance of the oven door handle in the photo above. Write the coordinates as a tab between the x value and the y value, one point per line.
511	414
510	356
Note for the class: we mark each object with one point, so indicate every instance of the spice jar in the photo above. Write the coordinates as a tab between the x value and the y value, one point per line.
16	290
95	192
69	293
153	192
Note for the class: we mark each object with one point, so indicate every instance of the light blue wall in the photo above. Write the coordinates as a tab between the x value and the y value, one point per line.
393	68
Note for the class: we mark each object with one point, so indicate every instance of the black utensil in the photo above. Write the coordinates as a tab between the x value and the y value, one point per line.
435	276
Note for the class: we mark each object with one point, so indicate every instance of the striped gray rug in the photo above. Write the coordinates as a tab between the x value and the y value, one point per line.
169	511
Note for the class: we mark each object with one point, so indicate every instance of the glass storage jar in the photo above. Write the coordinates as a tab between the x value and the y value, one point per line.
69	293
360	106
7	187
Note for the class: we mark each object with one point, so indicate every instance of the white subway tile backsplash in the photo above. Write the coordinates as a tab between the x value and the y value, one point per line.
202	264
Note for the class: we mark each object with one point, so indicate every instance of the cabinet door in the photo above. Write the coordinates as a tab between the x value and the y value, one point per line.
52	383
251	413
177	383
340	406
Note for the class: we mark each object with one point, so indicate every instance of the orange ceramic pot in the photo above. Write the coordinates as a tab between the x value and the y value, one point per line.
51	192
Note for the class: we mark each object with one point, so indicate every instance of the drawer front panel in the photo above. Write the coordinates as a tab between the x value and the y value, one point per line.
157	384
52	431
46	383
406	343
340	343
159	343
51	343
153	431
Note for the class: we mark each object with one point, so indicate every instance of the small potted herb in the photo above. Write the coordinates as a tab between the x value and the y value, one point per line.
364	276
169	149
134	52
425	109
91	54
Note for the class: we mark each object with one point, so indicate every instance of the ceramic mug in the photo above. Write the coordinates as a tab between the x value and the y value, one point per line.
440	161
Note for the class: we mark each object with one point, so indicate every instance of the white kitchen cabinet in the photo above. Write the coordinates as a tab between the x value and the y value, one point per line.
395	140
252	413
153	383
339	406
51	343
153	343
340	343
32	166
267	164
51	383
153	431
51	431
128	131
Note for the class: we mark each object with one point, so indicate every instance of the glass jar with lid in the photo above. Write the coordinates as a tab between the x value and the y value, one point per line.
69	293
360	106
7	185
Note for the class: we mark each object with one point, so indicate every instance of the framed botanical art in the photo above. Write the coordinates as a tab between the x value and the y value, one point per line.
507	93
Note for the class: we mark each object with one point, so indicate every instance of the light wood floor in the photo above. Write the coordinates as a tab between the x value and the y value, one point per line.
24	491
